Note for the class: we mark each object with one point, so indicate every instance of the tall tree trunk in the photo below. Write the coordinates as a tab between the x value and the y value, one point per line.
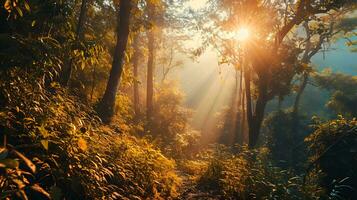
249	110
295	112
302	87
81	20
136	76
150	76
238	131
233	118
107	104
242	130
255	126
255	119
68	70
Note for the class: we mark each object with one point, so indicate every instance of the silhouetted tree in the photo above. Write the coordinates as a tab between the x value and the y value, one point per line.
107	103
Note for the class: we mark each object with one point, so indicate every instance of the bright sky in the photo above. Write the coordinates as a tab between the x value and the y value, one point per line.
197	4
339	58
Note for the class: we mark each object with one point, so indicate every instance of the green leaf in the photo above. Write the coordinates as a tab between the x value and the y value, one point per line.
9	163
27	6
19	11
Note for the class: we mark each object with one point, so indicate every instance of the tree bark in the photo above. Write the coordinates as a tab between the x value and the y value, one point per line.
136	76
244	114
107	104
303	84
68	70
238	124
255	118
249	111
81	20
150	76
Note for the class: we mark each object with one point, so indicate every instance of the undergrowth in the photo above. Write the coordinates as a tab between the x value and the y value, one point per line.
56	147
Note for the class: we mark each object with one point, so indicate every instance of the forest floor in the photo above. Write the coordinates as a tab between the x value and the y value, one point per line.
190	191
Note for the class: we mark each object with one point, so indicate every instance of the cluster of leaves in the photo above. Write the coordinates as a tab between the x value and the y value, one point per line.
141	170
286	146
17	6
77	157
230	120
343	90
171	121
20	182
333	151
240	173
45	38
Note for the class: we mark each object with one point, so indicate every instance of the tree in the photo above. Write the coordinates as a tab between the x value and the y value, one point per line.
271	57
107	103
343	90
150	76
68	70
155	16
332	151
324	29
136	56
304	9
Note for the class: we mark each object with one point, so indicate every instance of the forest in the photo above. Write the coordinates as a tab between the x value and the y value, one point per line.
178	99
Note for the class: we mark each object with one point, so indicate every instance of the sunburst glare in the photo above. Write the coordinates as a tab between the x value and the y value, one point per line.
243	34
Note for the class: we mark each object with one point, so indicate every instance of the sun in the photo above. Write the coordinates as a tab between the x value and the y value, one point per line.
243	34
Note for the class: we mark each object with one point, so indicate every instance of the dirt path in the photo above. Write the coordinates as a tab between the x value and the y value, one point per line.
189	190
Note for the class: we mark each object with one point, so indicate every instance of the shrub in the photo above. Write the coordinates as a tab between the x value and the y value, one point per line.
76	156
333	151
140	170
286	146
170	125
240	173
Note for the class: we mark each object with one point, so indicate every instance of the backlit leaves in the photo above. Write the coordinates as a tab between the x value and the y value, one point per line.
18	5
27	161
44	143
82	144
7	5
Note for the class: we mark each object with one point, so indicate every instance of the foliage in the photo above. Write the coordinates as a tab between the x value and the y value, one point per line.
171	121
248	174
333	151
142	170
22	180
286	147
194	168
343	90
56	130
229	125
56	147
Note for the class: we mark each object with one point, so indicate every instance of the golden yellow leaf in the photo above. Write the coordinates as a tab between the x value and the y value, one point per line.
7	5
82	144
44	144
